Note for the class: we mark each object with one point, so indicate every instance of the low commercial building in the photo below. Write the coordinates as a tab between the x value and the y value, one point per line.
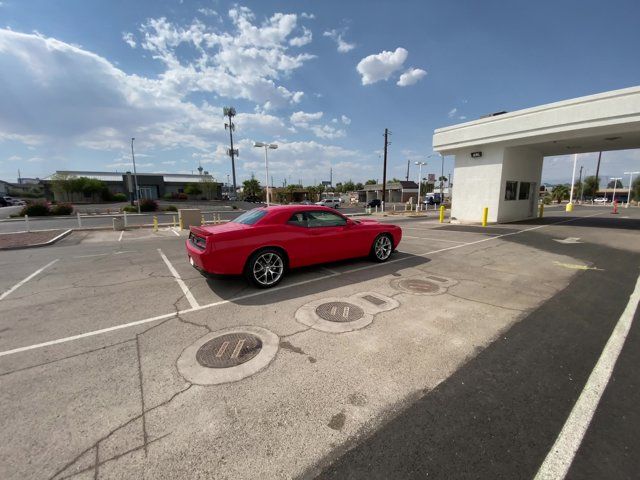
396	192
151	185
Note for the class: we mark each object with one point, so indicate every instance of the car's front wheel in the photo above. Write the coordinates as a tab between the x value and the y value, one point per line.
265	268
382	248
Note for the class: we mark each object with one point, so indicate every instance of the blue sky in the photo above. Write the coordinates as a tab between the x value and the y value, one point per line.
323	79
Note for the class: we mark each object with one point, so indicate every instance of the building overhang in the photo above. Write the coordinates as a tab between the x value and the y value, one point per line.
601	122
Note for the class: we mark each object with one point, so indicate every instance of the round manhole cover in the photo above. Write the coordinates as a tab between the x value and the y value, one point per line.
418	286
229	350
339	312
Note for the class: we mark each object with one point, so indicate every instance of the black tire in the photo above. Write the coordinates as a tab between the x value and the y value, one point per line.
266	268
381	248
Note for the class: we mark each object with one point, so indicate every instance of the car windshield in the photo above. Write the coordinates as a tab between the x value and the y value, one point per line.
250	217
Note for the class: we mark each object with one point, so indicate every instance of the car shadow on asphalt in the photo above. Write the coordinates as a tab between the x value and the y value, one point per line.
312	280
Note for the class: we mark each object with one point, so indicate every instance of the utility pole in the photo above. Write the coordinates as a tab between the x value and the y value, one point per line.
331	177
231	112
384	167
135	175
597	172
442	179
408	163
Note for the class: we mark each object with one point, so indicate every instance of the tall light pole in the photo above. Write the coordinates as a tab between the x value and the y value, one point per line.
233	153
135	175
420	164
441	177
573	180
615	184
266	146
631	174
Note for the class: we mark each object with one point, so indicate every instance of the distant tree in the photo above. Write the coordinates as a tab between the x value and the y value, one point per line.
371	182
616	183
559	193
252	187
208	187
348	186
192	189
61	185
635	189
358	186
394	180
590	186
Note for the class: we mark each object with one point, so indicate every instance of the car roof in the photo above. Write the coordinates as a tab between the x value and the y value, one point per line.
288	208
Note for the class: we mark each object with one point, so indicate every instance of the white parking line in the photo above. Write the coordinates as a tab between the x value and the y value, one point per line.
120	237
560	457
431	238
19	284
265	292
187	293
175	232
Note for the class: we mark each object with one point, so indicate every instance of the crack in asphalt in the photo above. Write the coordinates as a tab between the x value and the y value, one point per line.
141	387
110	433
488	303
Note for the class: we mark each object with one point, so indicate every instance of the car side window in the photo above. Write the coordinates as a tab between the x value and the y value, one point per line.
298	219
324	219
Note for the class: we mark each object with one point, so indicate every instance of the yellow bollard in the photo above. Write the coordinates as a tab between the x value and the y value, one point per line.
569	207
441	213
202	220
485	214
173	217
541	210
155	223
181	224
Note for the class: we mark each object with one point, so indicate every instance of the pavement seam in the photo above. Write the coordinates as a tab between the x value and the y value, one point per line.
141	387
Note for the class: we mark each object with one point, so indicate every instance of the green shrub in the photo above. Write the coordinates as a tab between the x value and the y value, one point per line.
235	207
170	208
37	209
148	205
130	209
119	197
168	196
546	199
62	209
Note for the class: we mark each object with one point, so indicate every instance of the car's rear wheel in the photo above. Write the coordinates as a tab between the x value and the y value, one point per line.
382	248
265	268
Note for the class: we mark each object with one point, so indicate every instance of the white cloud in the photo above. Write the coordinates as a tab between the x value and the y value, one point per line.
381	66
337	36
128	165
346	120
303	39
411	76
209	12
14	158
304	118
35	159
169	162
306	15
129	39
452	112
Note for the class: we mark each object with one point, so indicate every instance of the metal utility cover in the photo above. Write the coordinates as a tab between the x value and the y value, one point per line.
339	312
229	350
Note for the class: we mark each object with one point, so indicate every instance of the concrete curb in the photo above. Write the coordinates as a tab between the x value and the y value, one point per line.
36	245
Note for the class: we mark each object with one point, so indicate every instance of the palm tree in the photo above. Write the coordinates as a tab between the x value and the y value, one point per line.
559	193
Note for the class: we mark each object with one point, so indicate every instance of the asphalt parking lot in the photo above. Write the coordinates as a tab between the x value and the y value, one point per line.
466	354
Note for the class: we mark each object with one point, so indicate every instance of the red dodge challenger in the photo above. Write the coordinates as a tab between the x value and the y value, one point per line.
263	243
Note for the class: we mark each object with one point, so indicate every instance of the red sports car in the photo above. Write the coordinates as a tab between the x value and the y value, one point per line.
264	242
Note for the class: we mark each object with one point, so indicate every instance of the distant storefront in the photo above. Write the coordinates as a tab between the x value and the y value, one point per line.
151	185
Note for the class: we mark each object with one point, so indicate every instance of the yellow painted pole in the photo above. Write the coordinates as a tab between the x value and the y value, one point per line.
485	214
174	221
202	220
541	213
181	224
155	223
441	213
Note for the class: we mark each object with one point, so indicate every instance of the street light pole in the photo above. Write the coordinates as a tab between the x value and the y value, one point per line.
441	177
135	175
267	146
631	174
573	180
615	184
420	164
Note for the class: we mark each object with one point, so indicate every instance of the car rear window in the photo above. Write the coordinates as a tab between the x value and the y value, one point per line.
250	217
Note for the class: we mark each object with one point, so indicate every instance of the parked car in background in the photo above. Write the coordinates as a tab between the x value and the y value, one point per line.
374	203
329	202
265	242
9	200
3	202
252	199
601	200
306	202
432	198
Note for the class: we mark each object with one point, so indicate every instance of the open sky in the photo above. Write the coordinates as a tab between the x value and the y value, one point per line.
79	78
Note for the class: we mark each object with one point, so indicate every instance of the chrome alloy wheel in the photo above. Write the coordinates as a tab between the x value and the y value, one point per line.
268	268
383	247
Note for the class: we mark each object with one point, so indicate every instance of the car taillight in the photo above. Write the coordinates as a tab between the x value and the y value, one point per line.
197	241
